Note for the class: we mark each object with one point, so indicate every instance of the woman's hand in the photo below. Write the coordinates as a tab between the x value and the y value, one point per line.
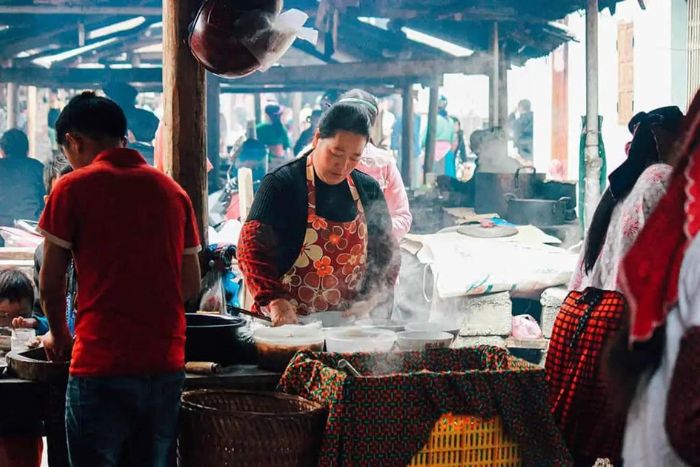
29	323
282	312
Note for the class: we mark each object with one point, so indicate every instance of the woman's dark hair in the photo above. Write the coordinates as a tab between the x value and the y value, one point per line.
642	154
345	116
94	116
15	286
362	97
14	143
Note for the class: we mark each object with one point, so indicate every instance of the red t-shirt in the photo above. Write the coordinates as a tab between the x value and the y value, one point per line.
128	226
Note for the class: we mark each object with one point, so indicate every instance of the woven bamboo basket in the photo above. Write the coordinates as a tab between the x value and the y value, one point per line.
223	428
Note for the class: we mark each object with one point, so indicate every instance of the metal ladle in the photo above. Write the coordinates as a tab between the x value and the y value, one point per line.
347	367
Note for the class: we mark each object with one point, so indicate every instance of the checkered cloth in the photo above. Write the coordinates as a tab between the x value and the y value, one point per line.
579	395
384	419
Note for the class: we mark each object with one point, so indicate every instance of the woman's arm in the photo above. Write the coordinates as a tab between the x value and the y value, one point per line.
397	203
258	244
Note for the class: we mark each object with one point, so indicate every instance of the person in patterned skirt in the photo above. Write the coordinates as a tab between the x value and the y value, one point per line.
581	398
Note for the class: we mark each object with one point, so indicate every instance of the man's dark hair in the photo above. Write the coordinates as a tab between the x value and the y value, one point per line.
14	143
345	116
94	116
54	168
15	286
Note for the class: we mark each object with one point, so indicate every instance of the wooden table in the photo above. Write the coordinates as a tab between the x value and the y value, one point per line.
28	403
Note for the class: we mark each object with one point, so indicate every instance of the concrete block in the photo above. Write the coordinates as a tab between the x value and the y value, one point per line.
474	341
487	315
551	302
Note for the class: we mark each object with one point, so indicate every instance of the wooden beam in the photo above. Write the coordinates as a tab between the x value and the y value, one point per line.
432	130
213	129
184	141
79	10
407	135
314	77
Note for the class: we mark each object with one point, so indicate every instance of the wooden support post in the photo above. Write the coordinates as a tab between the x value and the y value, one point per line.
432	130
407	135
258	108
593	162
502	89
184	143
494	78
213	128
32	118
11	106
296	112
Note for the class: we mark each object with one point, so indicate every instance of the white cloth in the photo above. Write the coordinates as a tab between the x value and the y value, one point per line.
627	220
646	443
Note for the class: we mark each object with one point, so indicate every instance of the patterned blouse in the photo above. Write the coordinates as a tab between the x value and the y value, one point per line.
627	221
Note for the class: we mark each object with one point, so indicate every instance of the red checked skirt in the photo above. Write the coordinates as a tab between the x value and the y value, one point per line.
579	395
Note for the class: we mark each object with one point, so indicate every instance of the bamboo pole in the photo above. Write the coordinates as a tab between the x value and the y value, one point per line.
407	135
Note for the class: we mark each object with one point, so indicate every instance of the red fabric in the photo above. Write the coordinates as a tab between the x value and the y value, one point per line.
21	451
129	227
332	263
650	271
256	246
579	394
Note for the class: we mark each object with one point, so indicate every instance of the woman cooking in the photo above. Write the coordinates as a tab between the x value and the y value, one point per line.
319	235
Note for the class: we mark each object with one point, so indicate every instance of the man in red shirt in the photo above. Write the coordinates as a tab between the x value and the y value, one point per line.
131	231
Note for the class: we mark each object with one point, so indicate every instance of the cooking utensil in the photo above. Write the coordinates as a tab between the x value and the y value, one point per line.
218	338
479	231
277	346
34	366
234	310
328	319
491	188
202	368
423	340
358	339
346	366
538	212
426	326
379	323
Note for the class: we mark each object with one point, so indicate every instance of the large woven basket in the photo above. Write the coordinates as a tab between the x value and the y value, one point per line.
234	428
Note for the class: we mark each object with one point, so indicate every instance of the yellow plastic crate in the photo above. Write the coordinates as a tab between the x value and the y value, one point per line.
462	440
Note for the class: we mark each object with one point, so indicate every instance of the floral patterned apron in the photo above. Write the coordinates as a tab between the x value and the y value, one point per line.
331	266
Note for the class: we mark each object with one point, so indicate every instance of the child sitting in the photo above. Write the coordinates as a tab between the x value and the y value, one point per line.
20	443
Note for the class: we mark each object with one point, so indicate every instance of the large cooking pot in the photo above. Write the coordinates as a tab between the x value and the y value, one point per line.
555	190
220	339
216	32
537	212
491	189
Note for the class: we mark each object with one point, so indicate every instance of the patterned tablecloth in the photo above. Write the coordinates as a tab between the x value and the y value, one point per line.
386	418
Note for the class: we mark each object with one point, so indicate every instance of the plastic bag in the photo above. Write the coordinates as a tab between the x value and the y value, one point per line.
526	327
273	35
214	298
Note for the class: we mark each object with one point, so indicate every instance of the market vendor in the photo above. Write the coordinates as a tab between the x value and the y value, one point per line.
319	235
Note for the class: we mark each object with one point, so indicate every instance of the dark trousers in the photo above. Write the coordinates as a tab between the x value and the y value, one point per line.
122	421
